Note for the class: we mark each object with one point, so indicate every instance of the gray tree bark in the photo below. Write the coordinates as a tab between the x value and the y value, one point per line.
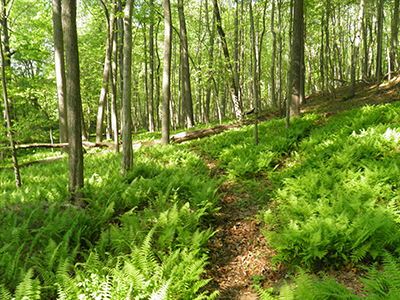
296	58
8	117
273	96
394	34
255	74
60	70
106	76
186	86
211	32
166	89
113	75
74	103
379	45
151	68
127	151
233	87
357	42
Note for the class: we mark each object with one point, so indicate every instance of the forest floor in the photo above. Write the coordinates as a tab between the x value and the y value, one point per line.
240	256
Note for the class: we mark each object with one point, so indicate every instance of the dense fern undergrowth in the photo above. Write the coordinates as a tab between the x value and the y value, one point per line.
334	203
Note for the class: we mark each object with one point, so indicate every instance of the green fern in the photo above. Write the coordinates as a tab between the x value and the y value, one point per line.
28	288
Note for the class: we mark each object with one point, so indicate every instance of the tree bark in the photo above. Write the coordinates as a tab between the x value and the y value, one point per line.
106	77
186	86
296	58
357	41
74	103
379	45
8	117
166	90
280	58
255	74
211	32
233	87
113	75
127	152
394	34
60	70
151	68
273	96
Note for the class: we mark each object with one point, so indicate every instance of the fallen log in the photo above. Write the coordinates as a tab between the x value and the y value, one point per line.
85	144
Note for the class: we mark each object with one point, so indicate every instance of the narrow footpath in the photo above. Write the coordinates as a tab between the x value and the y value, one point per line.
239	254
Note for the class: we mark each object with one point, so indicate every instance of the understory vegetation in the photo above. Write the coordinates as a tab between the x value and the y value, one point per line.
334	203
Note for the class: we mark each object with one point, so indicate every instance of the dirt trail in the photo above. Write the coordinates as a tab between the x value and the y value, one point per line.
238	252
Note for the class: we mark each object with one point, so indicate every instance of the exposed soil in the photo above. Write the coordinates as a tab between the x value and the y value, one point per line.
239	253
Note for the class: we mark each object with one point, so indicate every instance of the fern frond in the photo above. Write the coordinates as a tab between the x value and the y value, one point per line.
161	294
28	287
5	293
263	294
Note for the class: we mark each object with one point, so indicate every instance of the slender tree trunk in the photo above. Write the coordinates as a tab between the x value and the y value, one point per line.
365	41
60	70
151	68
273	96
280	57
74	102
211	32
296	58
106	77
166	91
255	75
289	77
234	89
186	86
321	55
8	117
145	115
158	85
113	76
127	152
357	41
120	25
236	61
394	33
327	47
379	45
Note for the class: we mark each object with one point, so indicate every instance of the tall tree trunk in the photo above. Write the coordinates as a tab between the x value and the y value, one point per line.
273	96
113	75
234	88
366	46
186	87
289	76
236	61
144	114
120	25
158	85
127	152
357	41
379	45
166	91
74	102
8	117
106	76
60	70
321	55
5	12
328	74
151	68
255	75
280	58
211	32
296	58
394	33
